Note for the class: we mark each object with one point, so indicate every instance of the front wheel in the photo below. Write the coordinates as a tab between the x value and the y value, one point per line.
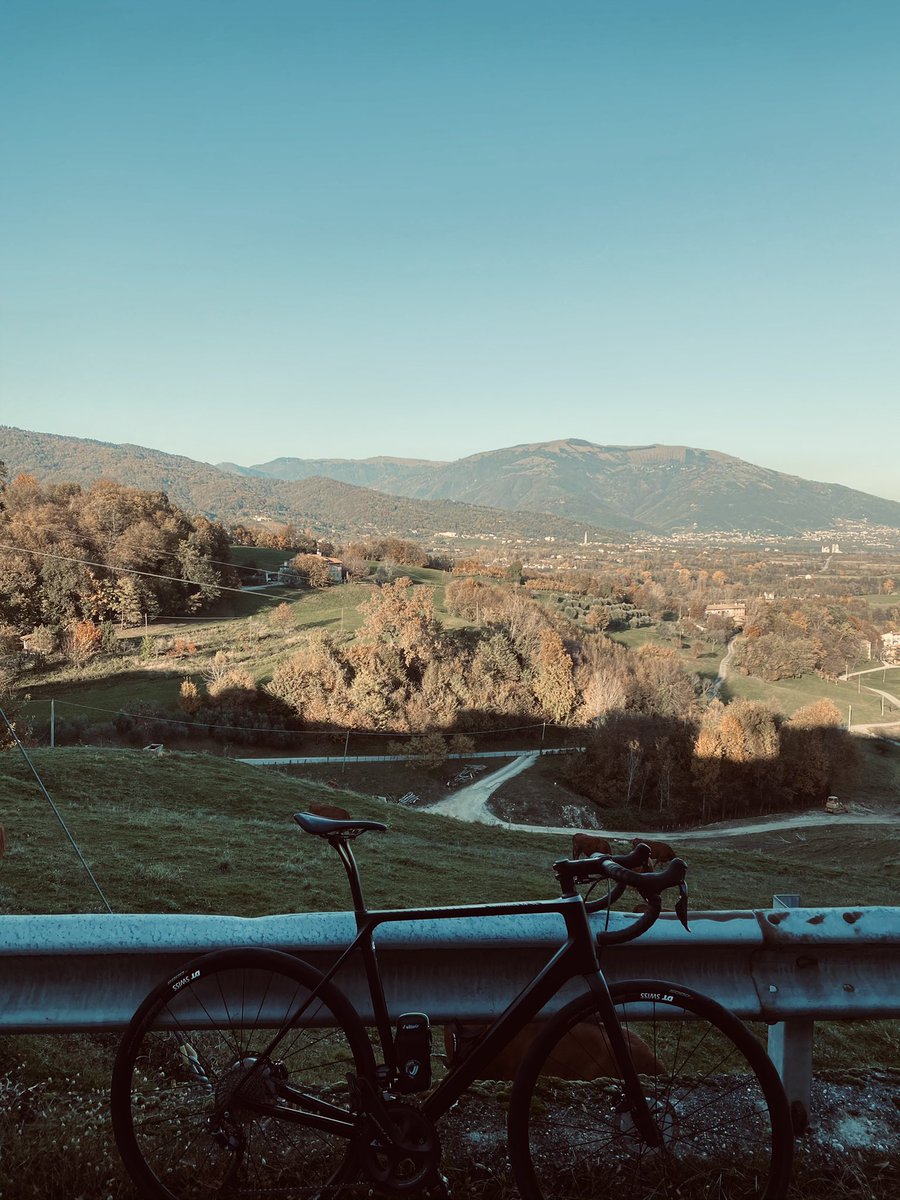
722	1118
200	1107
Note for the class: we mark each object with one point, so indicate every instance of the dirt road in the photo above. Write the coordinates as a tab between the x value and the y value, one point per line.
470	804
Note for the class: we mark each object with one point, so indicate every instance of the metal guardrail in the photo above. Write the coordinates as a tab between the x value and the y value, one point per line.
787	967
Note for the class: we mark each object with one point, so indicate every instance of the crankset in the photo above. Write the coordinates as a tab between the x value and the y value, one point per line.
402	1154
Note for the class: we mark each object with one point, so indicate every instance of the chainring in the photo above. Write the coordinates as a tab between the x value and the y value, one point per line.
407	1162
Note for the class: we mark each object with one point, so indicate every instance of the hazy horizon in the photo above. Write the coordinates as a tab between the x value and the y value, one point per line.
484	450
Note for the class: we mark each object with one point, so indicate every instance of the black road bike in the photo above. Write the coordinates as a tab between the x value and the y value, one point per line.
250	1074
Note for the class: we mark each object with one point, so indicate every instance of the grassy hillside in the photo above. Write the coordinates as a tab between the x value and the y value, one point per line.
191	833
194	833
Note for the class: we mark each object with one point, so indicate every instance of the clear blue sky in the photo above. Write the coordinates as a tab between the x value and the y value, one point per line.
239	229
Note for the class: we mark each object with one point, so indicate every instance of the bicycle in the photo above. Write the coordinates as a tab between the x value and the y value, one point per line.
249	1073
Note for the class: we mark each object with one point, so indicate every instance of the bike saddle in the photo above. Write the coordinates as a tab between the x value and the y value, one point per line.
329	827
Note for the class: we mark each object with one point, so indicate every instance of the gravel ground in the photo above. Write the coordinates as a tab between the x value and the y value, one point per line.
851	1148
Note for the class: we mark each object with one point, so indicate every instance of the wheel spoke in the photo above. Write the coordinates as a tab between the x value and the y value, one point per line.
200	1111
720	1112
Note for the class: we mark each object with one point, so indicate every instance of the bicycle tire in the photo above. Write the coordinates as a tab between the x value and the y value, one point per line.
714	1094
191	1052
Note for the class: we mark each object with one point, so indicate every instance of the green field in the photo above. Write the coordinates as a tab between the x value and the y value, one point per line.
787	695
191	833
259	557
245	630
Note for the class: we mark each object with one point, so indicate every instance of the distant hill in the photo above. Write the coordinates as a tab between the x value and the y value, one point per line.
545	489
653	487
324	505
383	474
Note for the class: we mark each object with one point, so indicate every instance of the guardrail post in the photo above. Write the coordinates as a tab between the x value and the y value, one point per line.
791	1046
790	1049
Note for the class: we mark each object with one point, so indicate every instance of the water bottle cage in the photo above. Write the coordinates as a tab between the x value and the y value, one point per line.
412	1053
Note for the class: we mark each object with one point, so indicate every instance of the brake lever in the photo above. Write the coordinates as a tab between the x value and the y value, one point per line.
681	905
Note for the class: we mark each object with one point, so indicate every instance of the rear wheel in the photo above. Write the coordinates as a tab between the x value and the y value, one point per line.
722	1117
200	1109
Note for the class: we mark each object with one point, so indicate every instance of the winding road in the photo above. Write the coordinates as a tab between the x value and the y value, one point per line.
470	804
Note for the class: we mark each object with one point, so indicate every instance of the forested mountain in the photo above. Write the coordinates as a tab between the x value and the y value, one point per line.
384	474
652	487
557	489
324	505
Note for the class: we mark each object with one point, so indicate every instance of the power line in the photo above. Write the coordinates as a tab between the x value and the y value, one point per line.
86	562
367	733
56	811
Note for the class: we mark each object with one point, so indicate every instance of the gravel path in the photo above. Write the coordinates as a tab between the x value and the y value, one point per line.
470	804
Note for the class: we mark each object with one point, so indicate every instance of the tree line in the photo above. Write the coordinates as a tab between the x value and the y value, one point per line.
72	556
735	760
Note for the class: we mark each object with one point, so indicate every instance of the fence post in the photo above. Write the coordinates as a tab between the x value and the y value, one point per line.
790	1046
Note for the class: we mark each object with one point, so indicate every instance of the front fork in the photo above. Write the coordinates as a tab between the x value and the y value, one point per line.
634	1093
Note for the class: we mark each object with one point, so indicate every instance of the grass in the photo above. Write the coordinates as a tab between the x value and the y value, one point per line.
100	700
259	557
787	695
634	638
244	630
882	599
192	833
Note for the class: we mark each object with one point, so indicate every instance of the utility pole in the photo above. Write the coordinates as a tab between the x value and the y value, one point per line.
849	714
52	724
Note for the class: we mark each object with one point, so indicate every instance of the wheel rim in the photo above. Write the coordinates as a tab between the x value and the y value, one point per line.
197	1075
707	1102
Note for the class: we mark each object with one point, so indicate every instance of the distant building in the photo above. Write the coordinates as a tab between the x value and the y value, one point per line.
735	609
336	571
890	647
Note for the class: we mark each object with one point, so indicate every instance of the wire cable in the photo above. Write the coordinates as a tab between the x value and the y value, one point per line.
86	562
57	813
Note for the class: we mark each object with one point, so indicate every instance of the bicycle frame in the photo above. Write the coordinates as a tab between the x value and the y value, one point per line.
576	956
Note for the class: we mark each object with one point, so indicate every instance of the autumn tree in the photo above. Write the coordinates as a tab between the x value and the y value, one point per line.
312	570
189	699
401	616
283	618
813	745
314	681
81	642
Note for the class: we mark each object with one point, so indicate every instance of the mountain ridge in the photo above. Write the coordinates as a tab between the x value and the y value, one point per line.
650	486
325	505
561	488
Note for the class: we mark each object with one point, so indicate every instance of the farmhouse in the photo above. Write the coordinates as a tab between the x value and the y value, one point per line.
735	609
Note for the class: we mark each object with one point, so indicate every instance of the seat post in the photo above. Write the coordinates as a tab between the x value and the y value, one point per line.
346	856
369	953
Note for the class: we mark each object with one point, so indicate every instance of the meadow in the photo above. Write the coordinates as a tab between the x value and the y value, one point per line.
201	834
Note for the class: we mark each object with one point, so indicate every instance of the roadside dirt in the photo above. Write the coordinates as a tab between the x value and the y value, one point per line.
850	1148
